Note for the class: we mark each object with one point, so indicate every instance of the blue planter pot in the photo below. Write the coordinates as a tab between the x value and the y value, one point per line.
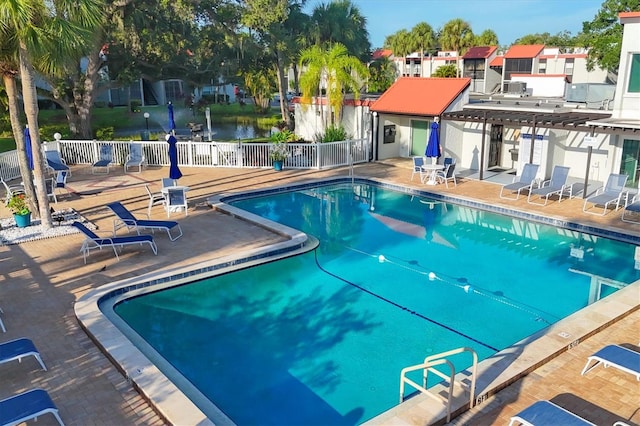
277	165
22	220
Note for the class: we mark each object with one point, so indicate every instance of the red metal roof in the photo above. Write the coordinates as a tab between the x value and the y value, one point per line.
524	51
420	96
629	15
379	53
479	52
498	61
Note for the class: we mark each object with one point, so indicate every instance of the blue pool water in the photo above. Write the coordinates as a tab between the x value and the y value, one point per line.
321	338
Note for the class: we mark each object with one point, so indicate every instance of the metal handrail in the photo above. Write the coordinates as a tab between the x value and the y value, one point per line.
427	367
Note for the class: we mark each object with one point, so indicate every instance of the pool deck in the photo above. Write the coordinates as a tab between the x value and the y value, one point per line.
41	280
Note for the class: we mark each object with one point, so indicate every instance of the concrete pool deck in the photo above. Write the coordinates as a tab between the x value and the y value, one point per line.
41	280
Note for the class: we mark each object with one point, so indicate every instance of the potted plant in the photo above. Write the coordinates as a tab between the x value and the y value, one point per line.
278	150
20	208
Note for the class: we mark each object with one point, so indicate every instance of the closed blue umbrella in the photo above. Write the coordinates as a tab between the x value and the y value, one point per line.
172	122
174	170
28	147
433	144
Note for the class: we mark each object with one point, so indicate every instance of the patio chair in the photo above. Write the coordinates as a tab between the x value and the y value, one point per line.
18	349
176	199
55	162
418	162
166	182
135	157
609	194
447	174
11	190
28	405
557	185
4	330
106	158
50	188
127	220
632	210
615	356
156	199
547	413
526	181
93	241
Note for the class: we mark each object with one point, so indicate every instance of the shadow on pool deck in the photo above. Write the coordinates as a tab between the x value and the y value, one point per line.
40	281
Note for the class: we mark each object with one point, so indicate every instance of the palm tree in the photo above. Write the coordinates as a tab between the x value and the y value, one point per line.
456	35
47	31
400	44
339	21
423	39
335	72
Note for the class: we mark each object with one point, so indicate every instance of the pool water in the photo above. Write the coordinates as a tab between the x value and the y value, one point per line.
321	338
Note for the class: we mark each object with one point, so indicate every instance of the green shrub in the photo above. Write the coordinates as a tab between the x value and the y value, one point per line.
47	132
136	104
332	134
105	133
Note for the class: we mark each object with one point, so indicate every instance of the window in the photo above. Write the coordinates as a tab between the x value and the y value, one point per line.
517	66
542	66
173	90
568	66
634	74
389	134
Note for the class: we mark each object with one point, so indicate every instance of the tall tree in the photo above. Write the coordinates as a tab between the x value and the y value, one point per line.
603	35
486	38
340	21
562	40
46	31
333	71
456	35
382	74
400	44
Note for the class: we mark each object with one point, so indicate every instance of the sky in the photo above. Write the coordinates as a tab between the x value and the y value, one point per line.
510	19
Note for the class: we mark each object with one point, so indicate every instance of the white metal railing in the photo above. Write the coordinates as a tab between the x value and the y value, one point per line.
205	154
427	367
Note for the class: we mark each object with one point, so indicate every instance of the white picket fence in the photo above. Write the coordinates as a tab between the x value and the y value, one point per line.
205	154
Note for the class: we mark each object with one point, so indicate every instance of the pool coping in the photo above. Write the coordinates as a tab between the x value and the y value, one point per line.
505	367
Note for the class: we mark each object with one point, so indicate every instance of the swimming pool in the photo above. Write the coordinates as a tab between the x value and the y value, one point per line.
415	263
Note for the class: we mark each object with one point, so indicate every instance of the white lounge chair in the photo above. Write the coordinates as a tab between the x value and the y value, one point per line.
11	190
526	181
135	157
557	185
609	194
55	162
544	413
104	161
617	357
26	406
18	349
93	241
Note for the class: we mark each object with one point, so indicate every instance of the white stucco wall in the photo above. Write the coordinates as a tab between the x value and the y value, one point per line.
543	85
627	105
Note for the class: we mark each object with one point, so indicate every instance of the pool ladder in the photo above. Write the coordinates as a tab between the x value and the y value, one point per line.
428	367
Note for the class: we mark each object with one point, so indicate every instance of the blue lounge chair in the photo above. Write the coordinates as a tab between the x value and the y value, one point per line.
632	210
543	413
522	182
609	194
617	357
557	185
18	349
93	241
106	157
135	157
26	406
55	163
127	220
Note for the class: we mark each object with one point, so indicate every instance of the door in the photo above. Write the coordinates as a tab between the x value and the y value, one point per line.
419	135
495	145
630	162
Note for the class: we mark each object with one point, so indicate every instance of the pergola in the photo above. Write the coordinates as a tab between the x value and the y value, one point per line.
575	120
